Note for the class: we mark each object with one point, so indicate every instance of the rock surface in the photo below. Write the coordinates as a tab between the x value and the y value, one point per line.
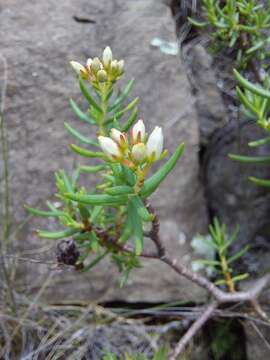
211	110
232	197
44	38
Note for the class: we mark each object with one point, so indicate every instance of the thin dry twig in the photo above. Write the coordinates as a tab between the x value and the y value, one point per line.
220	296
192	331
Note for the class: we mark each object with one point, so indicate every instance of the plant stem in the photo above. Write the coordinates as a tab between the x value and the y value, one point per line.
227	274
192	331
104	106
6	214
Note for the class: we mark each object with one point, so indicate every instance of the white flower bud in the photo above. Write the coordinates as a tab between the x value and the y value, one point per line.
79	69
89	63
138	132
119	137
155	144
121	64
107	56
109	147
96	65
102	75
138	152
114	67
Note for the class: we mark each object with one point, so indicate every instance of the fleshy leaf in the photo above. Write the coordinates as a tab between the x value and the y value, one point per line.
260	182
87	153
130	121
122	95
42	213
120	190
81	115
57	234
251	87
97	199
250	159
141	209
88	97
92	169
79	136
153	182
137	228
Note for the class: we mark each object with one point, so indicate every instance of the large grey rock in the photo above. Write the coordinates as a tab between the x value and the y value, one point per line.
211	110
232	197
38	44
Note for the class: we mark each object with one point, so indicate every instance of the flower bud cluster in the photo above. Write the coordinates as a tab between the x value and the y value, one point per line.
100	70
137	149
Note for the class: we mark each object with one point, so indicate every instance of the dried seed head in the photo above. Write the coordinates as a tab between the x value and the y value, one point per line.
67	252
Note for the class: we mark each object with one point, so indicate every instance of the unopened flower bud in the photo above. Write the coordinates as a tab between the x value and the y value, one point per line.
138	132
138	152
155	144
109	147
119	137
89	63
107	56
121	64
96	65
102	75
114	67
79	69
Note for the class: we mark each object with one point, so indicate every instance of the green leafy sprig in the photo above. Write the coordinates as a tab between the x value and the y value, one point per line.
221	263
103	218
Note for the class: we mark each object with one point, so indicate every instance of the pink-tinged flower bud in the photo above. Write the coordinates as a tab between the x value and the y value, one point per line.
138	132
109	147
102	75
107	56
138	152
89	63
121	64
155	144
79	69
119	137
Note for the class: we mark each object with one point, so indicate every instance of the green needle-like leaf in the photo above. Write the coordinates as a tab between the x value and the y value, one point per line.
122	95
238	255
97	199
250	159
79	136
87	153
128	176
81	115
256	47
88	97
251	87
92	169
240	277
141	209
212	263
120	190
197	23
95	213
120	113
130	121
95	261
245	101
137	228
42	213
57	235
259	142
260	182
153	182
